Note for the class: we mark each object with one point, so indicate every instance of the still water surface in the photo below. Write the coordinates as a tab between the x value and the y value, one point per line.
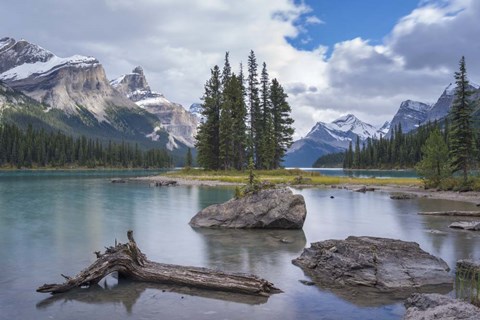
52	223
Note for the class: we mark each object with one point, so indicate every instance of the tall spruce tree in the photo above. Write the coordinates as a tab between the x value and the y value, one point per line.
462	143
236	98
267	144
208	136
253	108
282	136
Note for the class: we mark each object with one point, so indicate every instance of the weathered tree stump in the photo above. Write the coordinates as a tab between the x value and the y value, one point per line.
130	262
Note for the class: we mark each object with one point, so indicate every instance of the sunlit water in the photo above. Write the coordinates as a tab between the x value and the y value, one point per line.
51	224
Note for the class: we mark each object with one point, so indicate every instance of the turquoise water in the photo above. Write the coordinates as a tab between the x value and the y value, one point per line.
52	223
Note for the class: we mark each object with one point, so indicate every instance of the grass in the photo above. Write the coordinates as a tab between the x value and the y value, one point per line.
467	284
283	176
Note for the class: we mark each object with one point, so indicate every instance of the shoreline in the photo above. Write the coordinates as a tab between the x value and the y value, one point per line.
470	196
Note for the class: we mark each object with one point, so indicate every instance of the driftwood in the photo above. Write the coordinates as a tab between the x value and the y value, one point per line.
130	262
452	213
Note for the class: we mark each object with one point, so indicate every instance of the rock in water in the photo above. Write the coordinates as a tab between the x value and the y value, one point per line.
381	263
267	209
437	306
467	225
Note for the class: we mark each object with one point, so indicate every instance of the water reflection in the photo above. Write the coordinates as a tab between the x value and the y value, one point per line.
128	293
248	248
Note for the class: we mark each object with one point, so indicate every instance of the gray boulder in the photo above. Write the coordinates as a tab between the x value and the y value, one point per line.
437	306
267	209
466	225
380	263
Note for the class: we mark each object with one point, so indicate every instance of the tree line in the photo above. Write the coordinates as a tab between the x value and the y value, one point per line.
244	118
39	148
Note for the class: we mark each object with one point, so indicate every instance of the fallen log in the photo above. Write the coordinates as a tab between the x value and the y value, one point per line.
452	213
130	262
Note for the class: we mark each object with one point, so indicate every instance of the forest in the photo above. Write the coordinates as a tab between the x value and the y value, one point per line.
38	148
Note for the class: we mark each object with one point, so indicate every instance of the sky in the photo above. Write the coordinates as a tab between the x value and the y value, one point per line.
333	57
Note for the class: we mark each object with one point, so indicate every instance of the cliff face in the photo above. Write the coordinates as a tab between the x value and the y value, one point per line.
69	84
180	124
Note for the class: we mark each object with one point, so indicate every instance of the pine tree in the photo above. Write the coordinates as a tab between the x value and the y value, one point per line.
266	136
188	159
282	136
208	136
234	97
434	166
462	144
254	108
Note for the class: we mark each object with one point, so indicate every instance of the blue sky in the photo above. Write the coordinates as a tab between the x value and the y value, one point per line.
333	56
340	20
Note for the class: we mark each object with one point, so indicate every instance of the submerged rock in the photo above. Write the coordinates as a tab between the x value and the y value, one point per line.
437	306
466	225
267	209
380	263
402	196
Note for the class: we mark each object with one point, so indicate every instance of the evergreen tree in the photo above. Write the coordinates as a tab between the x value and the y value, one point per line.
188	159
234	96
434	166
254	107
462	143
266	136
208	136
282	136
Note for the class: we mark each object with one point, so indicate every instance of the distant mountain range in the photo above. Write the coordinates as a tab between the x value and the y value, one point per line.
331	137
325	138
74	95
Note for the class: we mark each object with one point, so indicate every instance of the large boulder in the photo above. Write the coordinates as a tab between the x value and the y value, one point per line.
380	263
437	306
266	209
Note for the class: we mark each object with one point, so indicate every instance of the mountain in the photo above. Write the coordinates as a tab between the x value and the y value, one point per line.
410	115
196	110
73	95
180	124
413	114
326	138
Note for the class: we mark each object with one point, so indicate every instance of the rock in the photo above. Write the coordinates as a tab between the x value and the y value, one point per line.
437	306
402	196
118	181
381	263
466	225
307	283
364	189
332	197
267	209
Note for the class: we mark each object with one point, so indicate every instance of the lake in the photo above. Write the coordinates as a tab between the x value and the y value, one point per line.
52	222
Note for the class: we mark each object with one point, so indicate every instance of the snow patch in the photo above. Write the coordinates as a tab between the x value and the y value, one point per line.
44	68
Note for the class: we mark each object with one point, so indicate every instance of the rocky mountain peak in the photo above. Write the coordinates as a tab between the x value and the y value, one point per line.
133	85
138	70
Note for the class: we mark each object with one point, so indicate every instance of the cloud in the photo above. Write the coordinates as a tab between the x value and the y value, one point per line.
178	41
313	20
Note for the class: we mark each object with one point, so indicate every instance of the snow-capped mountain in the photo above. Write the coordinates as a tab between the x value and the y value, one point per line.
74	95
413	114
72	84
180	124
331	137
410	116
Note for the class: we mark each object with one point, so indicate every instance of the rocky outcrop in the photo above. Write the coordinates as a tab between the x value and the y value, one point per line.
381	263
437	306
172	117
267	209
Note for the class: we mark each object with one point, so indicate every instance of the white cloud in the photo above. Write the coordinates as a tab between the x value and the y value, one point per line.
178	41
313	20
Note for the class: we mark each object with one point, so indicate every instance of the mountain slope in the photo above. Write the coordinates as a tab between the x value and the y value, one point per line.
329	138
409	116
180	124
